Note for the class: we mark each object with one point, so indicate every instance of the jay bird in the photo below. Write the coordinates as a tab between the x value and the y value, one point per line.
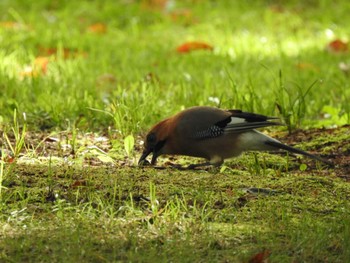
213	134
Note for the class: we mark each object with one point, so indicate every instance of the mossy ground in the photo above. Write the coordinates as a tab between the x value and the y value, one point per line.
62	210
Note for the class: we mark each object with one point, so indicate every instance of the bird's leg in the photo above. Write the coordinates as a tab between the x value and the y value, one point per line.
189	167
177	166
215	162
194	166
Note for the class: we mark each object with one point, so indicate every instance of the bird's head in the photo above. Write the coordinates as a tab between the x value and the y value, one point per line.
155	142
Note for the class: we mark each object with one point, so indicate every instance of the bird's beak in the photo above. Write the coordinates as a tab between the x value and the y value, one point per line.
154	157
143	157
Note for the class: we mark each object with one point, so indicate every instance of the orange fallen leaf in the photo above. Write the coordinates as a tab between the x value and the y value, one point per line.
260	257
8	24
39	66
64	52
12	25
183	16
6	156
41	63
28	71
194	45
229	192
337	46
79	183
53	51
276	8
307	66
154	4
9	159
106	79
98	28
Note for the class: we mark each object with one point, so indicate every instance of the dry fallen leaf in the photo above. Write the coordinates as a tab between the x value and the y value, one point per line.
276	8
6	156
260	257
307	66
337	46
106	79
184	16
66	53
38	67
229	192
194	45
345	67
41	63
98	28
28	71
79	183
12	25
155	4
9	159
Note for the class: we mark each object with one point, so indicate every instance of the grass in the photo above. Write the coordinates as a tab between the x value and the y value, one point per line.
105	214
81	81
133	67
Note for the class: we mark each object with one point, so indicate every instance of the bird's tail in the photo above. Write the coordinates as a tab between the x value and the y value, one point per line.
279	145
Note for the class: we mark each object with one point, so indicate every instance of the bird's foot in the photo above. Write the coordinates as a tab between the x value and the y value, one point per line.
189	167
199	165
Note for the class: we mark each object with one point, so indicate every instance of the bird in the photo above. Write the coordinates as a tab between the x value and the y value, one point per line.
213	134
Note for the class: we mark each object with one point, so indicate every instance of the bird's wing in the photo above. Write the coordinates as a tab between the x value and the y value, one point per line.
241	121
238	122
250	117
245	126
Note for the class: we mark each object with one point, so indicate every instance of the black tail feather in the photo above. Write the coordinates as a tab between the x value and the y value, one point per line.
279	145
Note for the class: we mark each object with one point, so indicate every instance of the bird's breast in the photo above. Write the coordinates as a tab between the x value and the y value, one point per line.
222	147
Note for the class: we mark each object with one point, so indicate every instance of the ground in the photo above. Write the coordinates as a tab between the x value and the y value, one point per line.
259	205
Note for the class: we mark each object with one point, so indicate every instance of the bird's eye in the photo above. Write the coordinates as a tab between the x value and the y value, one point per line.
151	138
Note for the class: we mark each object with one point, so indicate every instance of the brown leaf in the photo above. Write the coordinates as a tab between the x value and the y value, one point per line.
9	159
40	63
106	78
98	28
38	67
307	66
276	8
28	71
65	52
260	257
78	183
12	25
194	45
229	192
154	4
337	46
184	16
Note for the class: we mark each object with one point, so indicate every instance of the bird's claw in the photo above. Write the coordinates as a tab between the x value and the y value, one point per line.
144	163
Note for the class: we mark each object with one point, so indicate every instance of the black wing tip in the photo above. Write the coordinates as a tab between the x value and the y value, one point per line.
251	117
275	123
251	126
